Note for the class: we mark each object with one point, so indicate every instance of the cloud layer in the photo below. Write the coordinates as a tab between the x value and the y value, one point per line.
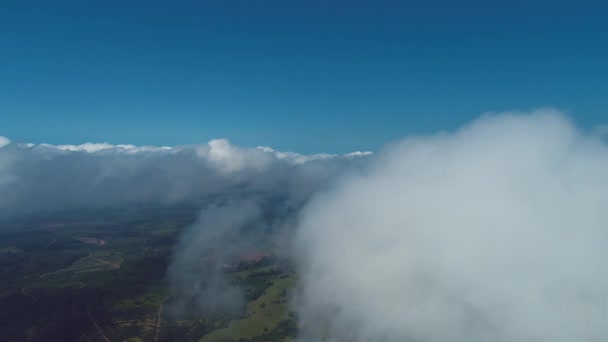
44	177
496	232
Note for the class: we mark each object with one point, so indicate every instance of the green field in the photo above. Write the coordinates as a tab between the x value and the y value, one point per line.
264	314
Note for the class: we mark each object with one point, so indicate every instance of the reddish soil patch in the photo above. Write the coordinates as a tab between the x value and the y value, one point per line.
253	257
91	240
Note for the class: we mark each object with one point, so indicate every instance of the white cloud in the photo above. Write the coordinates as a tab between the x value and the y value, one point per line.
6	175
97	147
4	141
230	158
496	232
358	154
296	158
98	174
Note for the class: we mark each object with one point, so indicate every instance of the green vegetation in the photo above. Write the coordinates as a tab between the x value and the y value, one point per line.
57	283
263	314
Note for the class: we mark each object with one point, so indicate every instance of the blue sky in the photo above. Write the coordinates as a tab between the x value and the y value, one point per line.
307	76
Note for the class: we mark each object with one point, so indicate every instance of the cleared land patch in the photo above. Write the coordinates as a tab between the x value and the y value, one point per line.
89	264
264	314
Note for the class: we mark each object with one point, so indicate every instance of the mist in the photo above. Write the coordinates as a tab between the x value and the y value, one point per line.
494	232
196	274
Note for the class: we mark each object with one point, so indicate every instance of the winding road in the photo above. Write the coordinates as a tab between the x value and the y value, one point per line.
24	292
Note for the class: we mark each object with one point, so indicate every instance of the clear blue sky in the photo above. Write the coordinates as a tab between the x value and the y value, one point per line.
308	76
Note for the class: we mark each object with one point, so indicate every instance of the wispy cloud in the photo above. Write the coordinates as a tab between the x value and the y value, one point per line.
4	141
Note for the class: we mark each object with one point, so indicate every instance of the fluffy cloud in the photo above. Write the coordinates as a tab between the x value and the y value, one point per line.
4	141
47	177
496	232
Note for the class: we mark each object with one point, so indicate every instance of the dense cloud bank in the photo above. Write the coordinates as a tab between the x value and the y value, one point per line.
46	178
496	232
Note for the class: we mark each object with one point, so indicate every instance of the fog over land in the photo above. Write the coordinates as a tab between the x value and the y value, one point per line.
494	232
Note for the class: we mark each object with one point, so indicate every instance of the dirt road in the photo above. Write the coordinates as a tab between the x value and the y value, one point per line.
160	311
99	330
105	262
53	240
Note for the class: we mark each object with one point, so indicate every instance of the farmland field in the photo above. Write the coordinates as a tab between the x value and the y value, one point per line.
59	283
